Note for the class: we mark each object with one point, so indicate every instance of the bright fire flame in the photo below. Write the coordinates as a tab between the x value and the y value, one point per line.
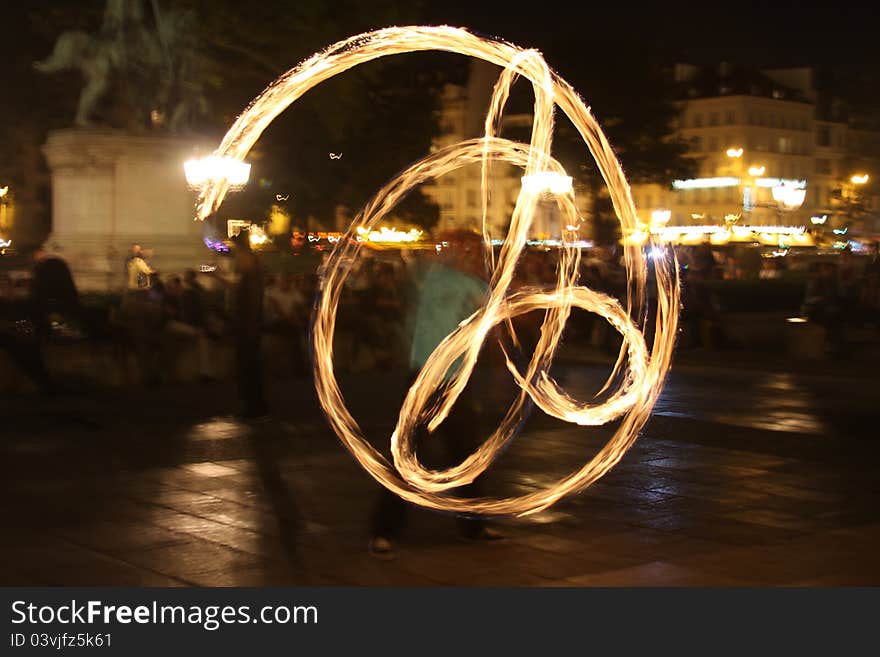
640	368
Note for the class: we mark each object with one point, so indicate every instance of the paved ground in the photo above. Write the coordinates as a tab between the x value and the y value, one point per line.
741	478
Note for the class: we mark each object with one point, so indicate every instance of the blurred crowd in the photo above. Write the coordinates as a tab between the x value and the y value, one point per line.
374	325
156	319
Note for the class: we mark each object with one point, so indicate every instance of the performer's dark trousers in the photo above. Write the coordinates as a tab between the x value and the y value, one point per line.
28	354
459	434
249	375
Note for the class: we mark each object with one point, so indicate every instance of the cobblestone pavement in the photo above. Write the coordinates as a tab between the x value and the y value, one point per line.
748	481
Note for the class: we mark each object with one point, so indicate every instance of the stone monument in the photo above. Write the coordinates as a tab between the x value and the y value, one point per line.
117	175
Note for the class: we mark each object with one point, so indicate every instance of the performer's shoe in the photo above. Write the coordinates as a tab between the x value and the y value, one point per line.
382	548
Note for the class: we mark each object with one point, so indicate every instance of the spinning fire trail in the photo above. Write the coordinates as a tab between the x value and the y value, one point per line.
640	372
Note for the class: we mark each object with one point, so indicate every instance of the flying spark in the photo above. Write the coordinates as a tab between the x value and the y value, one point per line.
640	369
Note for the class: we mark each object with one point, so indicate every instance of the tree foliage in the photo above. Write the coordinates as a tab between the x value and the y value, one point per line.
374	119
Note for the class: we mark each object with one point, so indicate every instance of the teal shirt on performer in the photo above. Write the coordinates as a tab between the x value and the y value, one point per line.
446	297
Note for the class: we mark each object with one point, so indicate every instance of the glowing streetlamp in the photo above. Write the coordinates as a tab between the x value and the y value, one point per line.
790	197
4	191
660	218
859	179
757	170
734	152
217	169
546	181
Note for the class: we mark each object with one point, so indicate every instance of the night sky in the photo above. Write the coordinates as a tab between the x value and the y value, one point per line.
768	34
763	34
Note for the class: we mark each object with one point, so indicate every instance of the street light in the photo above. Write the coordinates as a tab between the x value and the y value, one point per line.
757	170
791	197
734	152
660	217
202	170
851	199
4	192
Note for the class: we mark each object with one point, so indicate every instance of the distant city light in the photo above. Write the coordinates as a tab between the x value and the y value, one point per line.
235	226
257	236
723	234
734	152
757	170
777	182
388	235
819	220
859	179
778	230
216	245
672	231
702	183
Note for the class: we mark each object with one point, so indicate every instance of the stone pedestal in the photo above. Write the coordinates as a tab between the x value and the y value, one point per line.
111	189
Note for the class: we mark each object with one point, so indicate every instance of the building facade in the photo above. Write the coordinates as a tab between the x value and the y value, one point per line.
767	155
458	193
769	152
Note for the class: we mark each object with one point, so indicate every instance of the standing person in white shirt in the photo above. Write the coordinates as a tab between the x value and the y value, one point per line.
141	316
137	271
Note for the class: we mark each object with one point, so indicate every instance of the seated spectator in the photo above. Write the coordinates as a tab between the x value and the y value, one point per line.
53	297
287	315
384	316
285	304
182	318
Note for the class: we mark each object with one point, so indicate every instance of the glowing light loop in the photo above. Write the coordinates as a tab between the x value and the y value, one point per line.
639	371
